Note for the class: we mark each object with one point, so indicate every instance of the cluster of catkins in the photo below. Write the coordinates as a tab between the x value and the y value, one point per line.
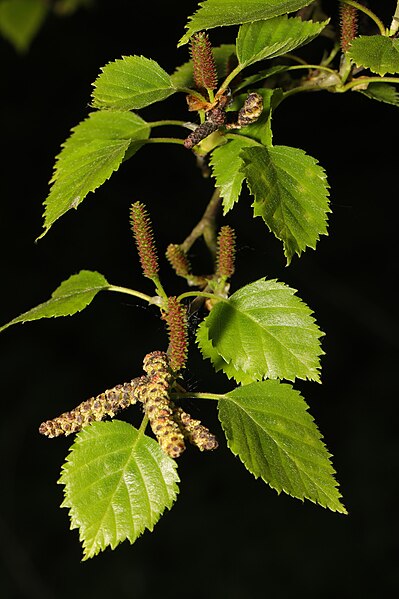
171	424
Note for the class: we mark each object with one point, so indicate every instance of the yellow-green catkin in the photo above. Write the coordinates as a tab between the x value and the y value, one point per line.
96	408
157	404
194	431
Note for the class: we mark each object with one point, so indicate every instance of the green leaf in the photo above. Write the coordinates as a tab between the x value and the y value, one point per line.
88	158
208	351
218	13
20	21
267	425
378	53
268	39
291	194
226	163
260	75
183	75
130	83
118	482
73	295
266	331
382	92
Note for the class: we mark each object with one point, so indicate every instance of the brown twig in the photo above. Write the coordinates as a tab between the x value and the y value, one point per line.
206	227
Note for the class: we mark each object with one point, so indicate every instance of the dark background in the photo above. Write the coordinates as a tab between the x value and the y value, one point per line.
228	535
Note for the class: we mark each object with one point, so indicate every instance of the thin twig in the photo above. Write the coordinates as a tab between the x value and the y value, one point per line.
206	227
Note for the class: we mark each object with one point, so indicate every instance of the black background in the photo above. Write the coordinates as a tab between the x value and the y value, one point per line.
228	535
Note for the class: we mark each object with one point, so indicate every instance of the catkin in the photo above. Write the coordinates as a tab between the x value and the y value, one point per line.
157	404
96	408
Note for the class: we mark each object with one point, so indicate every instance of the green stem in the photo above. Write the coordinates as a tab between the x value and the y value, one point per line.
142	428
361	80
317	67
164	140
188	394
302	88
128	291
166	123
294	58
369	13
230	77
159	288
200	294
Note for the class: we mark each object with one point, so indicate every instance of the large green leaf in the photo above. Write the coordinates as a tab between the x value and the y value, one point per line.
130	83
88	158
382	92
217	13
183	75
291	194
267	425
268	39
73	295
266	331
20	21
208	351
226	163
118	482
378	53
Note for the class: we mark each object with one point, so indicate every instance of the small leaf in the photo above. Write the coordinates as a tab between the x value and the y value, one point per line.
267	425
131	83
266	331
88	158
73	295
208	351
268	39
183	75
226	163
378	53
291	195
118	482
382	92
20	21
218	13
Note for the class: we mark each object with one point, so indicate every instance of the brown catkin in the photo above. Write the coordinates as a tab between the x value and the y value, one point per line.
204	67
348	25
178	260
96	408
225	252
176	319
144	238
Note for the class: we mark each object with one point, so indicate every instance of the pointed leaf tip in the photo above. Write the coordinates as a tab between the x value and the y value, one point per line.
268	426
72	296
